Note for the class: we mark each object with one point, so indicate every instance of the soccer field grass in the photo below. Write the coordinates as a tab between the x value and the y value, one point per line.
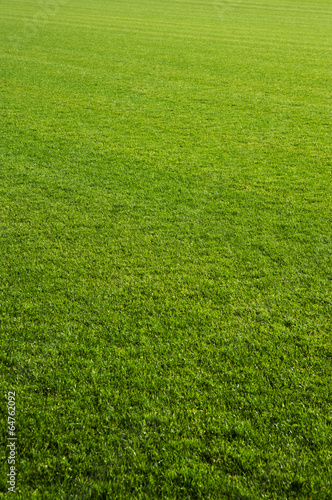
165	279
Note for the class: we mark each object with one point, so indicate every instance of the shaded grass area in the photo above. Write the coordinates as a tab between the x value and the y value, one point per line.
166	250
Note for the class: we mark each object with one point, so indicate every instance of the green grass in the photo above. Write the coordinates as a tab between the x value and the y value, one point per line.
165	275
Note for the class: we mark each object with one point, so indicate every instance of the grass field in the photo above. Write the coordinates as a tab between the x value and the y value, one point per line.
166	248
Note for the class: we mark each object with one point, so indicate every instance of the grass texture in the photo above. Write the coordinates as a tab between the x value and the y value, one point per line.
165	217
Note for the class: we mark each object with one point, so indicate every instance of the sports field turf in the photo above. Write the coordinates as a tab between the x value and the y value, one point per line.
165	278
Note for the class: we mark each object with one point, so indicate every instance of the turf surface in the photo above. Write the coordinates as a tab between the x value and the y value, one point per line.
166	248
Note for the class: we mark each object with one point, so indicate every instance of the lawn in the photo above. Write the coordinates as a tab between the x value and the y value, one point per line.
166	231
